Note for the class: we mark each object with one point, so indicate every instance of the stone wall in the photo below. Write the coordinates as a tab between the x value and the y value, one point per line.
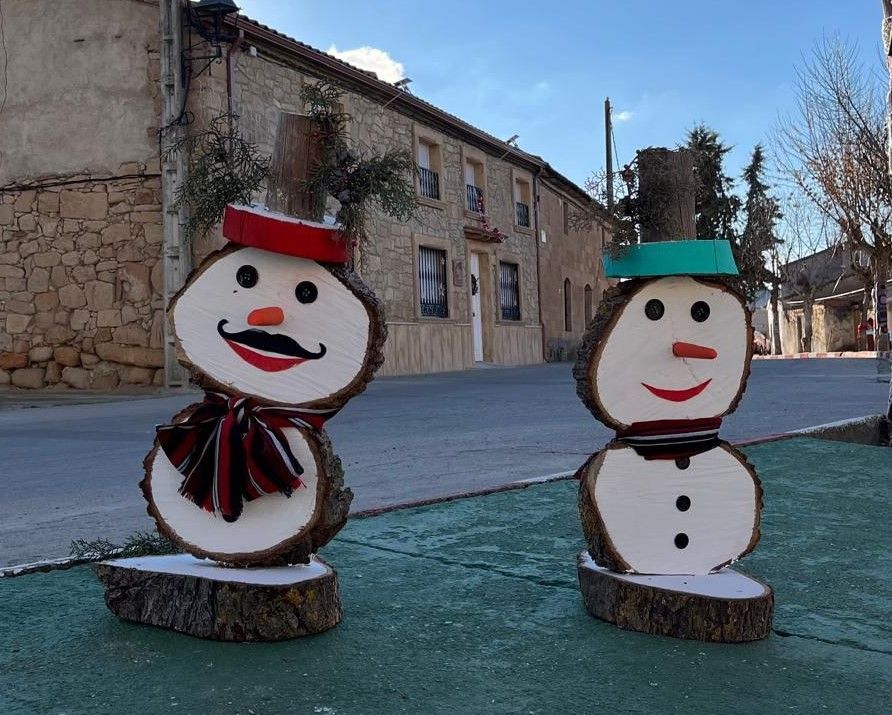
567	254
80	205
80	283
80	86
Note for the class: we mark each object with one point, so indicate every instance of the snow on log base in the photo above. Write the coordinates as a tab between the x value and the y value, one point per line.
202	599
725	607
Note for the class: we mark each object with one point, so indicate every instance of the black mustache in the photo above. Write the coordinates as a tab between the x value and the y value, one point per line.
270	342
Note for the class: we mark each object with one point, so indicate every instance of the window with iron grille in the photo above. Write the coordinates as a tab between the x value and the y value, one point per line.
509	291
432	282
568	305
428	169
429	183
522	200
475	198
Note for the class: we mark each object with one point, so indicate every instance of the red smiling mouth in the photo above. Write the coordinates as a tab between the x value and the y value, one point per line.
677	395
267	363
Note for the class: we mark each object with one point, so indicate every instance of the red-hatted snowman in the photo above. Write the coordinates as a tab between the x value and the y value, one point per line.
665	359
280	334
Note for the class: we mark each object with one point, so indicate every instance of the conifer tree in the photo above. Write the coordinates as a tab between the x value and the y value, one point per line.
761	213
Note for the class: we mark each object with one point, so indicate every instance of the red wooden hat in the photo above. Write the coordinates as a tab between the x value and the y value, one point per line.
279	233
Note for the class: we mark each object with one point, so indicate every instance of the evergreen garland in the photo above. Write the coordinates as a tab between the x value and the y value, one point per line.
224	168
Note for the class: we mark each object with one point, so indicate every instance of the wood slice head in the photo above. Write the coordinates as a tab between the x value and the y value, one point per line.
278	328
662	349
272	530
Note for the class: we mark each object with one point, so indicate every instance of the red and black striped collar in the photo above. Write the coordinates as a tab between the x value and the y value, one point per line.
671	439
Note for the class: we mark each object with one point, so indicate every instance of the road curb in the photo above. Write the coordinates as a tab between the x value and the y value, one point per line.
862	430
846	354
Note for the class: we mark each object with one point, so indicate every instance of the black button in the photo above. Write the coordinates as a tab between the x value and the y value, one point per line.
683	462
681	540
246	276
683	503
654	309
700	311
306	292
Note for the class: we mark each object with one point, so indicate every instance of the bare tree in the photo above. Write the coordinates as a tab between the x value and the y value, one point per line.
810	257
834	150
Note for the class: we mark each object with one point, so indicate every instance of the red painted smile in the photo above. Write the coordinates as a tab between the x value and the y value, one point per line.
266	363
678	395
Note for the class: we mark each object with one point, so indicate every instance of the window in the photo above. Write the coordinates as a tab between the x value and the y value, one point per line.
522	202
566	207
428	169
509	291
568	305
474	185
588	305
432	282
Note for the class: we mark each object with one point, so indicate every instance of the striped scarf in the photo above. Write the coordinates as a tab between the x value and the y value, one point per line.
672	439
232	449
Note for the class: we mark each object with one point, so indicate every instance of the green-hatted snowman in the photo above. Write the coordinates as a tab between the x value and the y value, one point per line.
667	505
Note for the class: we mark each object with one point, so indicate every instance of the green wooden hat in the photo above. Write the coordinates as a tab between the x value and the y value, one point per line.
673	258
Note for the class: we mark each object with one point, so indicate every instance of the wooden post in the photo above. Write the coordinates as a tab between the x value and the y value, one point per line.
666	190
295	154
608	152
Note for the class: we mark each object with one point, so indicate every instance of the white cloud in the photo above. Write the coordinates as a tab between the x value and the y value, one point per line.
373	60
624	116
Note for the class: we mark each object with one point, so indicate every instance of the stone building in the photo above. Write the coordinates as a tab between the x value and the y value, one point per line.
93	246
827	282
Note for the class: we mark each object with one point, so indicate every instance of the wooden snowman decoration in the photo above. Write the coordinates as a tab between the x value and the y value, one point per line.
280	333
667	506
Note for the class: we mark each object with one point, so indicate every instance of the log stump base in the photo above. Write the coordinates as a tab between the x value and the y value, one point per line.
206	600
724	607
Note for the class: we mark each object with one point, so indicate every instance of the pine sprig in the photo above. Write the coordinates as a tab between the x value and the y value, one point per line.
223	168
142	543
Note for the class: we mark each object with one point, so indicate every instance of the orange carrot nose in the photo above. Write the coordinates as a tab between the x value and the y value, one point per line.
689	350
266	316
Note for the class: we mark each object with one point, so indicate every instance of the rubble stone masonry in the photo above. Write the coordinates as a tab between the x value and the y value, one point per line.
81	283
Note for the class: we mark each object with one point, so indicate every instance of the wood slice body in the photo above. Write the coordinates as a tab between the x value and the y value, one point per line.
726	607
317	511
208	601
634	510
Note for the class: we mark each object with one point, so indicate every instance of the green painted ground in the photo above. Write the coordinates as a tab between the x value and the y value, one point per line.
472	607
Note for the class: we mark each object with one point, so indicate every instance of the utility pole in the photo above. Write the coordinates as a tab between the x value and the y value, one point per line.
176	252
608	137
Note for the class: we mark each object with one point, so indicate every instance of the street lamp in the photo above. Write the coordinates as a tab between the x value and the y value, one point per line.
206	18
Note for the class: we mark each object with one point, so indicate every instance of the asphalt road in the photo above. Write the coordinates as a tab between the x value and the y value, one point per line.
71	471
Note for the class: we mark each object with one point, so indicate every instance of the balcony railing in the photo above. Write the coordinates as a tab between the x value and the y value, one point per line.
522	214
429	183
475	198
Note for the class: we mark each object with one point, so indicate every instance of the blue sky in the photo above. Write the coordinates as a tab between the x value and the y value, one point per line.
542	70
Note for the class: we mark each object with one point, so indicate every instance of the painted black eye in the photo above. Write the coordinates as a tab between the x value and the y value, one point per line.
654	309
700	311
306	292
246	276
